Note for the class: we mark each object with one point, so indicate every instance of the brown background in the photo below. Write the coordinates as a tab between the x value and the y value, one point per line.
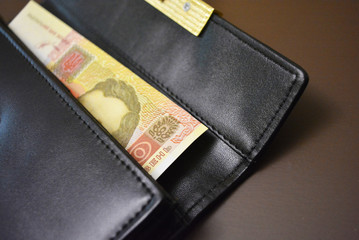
307	182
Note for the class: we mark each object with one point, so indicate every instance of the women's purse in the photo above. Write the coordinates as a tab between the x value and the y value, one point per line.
62	176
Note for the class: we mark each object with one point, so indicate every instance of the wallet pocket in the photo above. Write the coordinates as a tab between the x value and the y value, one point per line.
61	175
236	86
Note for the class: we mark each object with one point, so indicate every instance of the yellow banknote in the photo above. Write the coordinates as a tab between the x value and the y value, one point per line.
153	129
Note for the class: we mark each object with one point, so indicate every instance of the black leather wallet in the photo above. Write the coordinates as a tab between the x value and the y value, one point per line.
62	176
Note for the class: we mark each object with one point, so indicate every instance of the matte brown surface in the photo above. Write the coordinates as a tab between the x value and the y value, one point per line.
307	182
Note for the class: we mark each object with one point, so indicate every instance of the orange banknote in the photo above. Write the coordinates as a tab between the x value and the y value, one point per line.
152	128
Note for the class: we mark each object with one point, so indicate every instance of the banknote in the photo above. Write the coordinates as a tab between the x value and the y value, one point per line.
151	127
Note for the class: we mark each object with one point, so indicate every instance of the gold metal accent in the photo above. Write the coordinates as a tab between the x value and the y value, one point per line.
192	15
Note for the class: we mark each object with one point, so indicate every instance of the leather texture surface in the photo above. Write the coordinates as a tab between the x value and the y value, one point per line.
61	175
239	88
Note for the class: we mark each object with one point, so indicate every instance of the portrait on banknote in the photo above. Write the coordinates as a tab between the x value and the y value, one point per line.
115	105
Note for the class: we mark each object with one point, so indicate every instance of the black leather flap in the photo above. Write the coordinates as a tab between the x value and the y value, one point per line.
61	175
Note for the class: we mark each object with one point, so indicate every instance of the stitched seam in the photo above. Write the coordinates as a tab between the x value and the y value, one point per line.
240	164
276	63
62	99
253	48
281	105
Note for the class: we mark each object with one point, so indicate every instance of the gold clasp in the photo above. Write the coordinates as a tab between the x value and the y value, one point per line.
192	15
